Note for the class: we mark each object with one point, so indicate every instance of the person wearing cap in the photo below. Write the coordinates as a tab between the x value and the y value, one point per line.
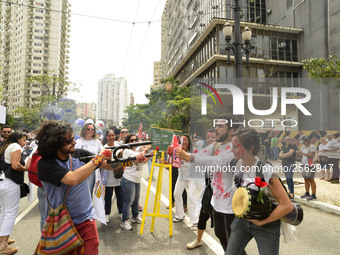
307	152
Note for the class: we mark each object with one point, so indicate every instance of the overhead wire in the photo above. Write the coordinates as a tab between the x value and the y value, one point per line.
111	19
127	52
142	45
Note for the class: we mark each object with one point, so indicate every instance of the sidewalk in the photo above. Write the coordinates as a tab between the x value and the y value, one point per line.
328	194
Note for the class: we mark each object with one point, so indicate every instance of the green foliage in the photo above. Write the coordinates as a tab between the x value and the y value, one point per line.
52	90
323	70
173	109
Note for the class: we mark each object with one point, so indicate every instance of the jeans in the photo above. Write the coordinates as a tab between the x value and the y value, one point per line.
267	237
131	191
149	166
43	206
222	224
268	156
335	167
108	199
288	169
274	153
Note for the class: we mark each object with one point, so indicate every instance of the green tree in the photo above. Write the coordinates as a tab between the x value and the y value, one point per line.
323	70
48	103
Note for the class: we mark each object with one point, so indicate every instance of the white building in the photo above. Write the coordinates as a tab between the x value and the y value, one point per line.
113	98
34	38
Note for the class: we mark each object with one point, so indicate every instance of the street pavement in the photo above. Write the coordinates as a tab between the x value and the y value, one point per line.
318	233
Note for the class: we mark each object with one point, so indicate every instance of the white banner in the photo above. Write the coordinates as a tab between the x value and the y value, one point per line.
2	114
99	202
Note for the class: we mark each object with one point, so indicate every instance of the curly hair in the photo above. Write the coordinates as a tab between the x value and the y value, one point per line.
82	131
13	138
249	138
51	137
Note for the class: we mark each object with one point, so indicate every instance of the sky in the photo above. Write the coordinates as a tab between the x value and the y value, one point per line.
104	40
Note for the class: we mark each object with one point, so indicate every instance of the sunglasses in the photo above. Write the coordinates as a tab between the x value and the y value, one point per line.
90	129
133	140
70	140
6	132
124	132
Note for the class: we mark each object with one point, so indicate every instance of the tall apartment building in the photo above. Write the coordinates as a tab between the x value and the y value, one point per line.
283	34
34	40
157	75
113	98
86	110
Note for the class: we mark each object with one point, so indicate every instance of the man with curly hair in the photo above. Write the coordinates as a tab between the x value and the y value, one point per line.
58	171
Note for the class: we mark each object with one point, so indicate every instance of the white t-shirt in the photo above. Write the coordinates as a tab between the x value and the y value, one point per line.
9	150
222	182
184	171
333	144
133	173
111	180
321	148
304	159
94	145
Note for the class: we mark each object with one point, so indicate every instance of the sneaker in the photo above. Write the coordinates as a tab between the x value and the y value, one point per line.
305	195
312	197
194	227
194	244
107	218
126	225
140	208
334	181
177	219
137	220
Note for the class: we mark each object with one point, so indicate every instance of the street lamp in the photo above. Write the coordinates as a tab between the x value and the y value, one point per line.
237	46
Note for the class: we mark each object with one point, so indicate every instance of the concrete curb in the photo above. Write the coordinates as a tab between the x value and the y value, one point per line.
319	205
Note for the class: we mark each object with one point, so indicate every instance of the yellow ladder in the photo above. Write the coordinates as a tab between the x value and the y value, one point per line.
157	203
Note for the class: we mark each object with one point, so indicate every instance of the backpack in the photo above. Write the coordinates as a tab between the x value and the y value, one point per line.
33	170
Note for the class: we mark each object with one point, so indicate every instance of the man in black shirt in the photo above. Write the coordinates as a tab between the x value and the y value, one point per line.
288	156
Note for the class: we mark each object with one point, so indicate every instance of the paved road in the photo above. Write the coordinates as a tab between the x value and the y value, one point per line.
319	233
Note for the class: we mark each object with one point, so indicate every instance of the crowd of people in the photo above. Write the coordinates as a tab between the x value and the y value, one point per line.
66	169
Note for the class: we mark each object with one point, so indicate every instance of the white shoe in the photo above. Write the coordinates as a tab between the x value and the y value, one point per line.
194	244
107	218
137	220
194	227
126	225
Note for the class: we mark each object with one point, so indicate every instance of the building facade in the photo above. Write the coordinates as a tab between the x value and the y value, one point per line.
113	98
193	47
86	110
157	75
34	41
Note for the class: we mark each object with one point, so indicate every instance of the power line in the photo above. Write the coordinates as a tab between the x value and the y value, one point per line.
114	20
142	45
133	26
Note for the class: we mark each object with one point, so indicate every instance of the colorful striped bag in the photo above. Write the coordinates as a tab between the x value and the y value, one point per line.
59	234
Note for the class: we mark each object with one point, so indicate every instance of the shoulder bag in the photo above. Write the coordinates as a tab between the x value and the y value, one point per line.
59	235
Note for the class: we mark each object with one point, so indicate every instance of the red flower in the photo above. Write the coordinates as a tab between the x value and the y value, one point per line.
107	153
259	182
157	148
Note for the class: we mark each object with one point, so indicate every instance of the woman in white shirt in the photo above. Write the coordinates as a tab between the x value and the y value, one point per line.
131	184
246	145
185	181
10	180
110	182
88	141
